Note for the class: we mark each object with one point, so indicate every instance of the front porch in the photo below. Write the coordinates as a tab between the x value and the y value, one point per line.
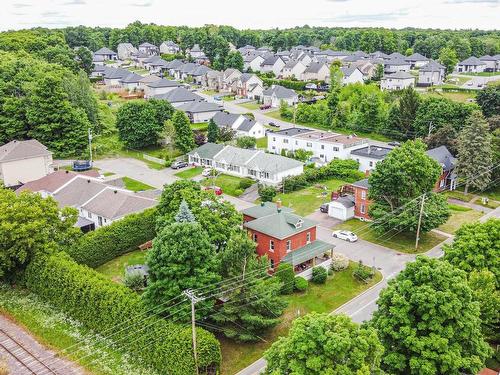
314	254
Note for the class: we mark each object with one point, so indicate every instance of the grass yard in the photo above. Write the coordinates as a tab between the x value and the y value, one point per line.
483	74
250	105
462	97
200	126
115	269
402	242
135	185
209	92
308	200
459	215
325	298
230	184
374	136
57	331
262	142
228	98
190	173
107	174
458	195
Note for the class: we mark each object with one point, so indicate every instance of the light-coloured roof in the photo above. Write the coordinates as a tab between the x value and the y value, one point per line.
150	78
315	67
473	60
163	83
18	150
78	191
272	163
207	151
399	75
417	57
280	92
54	181
432	66
131	78
199	107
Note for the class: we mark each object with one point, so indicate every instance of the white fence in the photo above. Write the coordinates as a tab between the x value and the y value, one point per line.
153	159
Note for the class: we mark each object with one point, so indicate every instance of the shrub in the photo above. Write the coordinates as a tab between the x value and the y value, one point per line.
301	284
246	142
319	275
238	192
102	305
285	274
266	193
106	243
134	281
363	273
246	183
339	262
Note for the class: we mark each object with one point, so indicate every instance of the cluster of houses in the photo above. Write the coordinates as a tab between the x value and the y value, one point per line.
28	166
484	63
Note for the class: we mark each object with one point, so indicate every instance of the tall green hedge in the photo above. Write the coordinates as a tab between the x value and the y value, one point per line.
106	243
101	305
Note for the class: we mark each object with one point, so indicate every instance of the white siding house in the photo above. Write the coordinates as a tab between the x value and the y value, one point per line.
274	95
397	81
431	74
471	65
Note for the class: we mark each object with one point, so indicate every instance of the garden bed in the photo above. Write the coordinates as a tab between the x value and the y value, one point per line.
230	184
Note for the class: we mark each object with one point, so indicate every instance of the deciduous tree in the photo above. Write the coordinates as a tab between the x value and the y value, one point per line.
429	322
320	344
184	139
489	100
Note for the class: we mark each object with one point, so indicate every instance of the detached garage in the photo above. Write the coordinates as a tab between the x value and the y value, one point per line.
341	208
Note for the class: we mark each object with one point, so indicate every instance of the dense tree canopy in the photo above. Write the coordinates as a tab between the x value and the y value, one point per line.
396	188
429	322
30	225
320	344
45	101
184	138
489	100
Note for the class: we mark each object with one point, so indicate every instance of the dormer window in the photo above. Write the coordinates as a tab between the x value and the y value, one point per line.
299	224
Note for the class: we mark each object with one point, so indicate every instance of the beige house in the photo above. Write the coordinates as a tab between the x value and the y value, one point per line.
24	161
316	71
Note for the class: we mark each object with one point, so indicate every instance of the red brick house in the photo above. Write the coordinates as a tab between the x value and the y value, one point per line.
361	201
284	236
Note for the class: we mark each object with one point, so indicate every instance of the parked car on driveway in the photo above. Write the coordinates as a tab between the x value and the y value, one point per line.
345	235
324	208
179	164
273	124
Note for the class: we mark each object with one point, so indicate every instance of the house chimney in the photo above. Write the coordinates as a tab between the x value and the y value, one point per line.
278	205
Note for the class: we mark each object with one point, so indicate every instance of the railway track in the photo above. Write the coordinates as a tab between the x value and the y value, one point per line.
29	363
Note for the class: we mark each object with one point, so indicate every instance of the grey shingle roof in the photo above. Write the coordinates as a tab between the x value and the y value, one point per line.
362	183
293	131
488	58
163	83
348	70
246	125
432	66
17	150
397	55
179	94
399	75
207	151
199	107
280	92
78	191
314	67
116	73
396	62
147	44
132	78
443	157
345	201
417	57
270	60
174	64
272	163
104	51
223	119
473	60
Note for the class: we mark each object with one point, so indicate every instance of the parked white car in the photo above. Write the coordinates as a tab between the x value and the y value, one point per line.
345	235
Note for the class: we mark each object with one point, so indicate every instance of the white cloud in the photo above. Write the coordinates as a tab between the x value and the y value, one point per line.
259	14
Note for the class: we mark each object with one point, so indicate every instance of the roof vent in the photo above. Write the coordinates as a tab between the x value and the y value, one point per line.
115	191
88	181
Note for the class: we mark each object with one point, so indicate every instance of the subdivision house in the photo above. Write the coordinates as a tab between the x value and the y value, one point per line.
104	54
242	125
148	49
276	94
252	61
267	168
230	78
396	65
397	81
368	156
168	47
112	76
293	69
471	65
432	73
24	161
352	74
200	111
285	237
316	71
131	81
492	63
179	96
448	179
324	145
250	86
417	60
160	86
125	51
98	204
330	55
273	64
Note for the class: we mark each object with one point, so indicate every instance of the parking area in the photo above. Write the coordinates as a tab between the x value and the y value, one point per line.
323	219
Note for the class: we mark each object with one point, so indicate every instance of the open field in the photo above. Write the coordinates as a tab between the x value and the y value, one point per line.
339	288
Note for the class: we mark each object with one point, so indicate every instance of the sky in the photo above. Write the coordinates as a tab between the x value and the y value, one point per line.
450	14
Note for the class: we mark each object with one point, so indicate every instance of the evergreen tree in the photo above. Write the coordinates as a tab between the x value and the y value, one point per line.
181	258
254	303
448	57
475	152
184	215
212	132
184	138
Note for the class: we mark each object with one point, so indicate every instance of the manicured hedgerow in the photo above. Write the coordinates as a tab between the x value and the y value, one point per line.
107	243
112	310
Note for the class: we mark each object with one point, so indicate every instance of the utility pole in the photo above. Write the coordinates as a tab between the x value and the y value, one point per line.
419	221
90	145
194	299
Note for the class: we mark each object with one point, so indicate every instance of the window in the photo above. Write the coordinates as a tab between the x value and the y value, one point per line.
362	209
335	148
254	237
321	156
363	194
371	164
322	147
309	144
274	139
296	142
271	245
272	264
285	140
89	215
308	237
288	246
99	220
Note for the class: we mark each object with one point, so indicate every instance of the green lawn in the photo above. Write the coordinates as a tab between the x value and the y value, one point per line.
308	200
115	269
107	174
483	74
200	126
135	185
459	215
402	242
230	184
250	105
228	98
57	331
462	97
339	289
375	136
262	142
190	173
209	92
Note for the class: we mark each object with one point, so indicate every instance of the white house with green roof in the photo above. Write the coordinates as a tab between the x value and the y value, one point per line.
267	168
